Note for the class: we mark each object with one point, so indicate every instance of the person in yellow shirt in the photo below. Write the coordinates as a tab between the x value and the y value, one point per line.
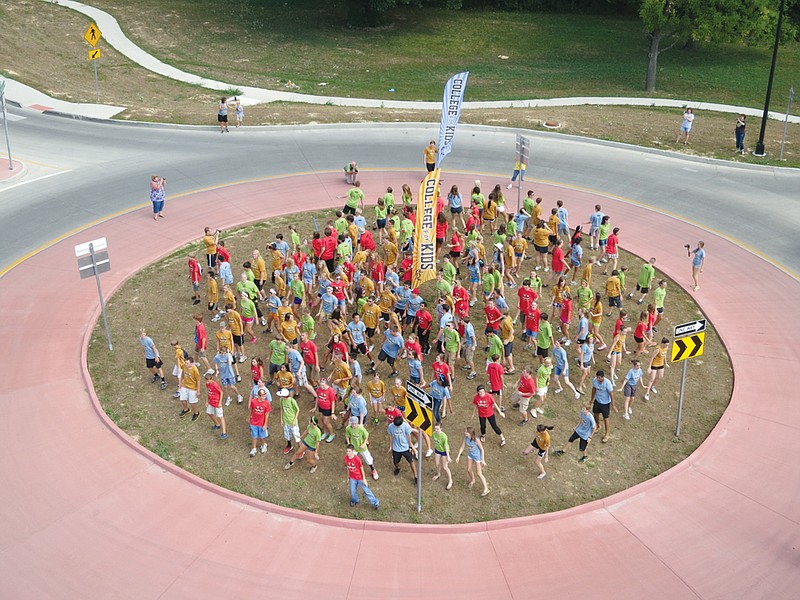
212	295
520	246
507	336
234	320
587	271
177	370
390	252
553	222
259	267
399	394
340	376
370	315
224	337
386	303
490	212
541	243
284	378
276	259
367	285
352	231
613	291
210	241
228	297
429	156
283	310
289	329
280	284
190	389
377	391
658	364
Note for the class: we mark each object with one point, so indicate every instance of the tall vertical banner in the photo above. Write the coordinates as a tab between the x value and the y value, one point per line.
424	266
451	113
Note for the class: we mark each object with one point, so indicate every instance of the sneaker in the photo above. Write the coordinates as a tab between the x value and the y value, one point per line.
352	504
253	340
558	391
195	415
242	358
263	322
534	414
541	476
239	399
541	411
155	378
502	409
523	422
558	452
228	401
396	471
509	186
176	395
654	390
567	343
376	506
429	453
253	453
286	467
313	469
238	378
502	442
287	449
647	397
263	448
330	438
163	385
630	410
393	374
577	395
515	405
582	459
375	477
375	421
626	416
223	436
603	347
371	346
465	368
486	493
324	437
183	413
472	375
605	439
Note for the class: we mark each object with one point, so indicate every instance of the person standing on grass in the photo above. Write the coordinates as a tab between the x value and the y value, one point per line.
222	115
289	413
632	380
309	447
429	156
357	437
561	369
540	445
223	363
485	405
686	126
475	457
583	432
442	458
741	124
214	407
201	341
194	278
400	445
698	262
544	338
210	241
603	402
658	364
326	405
594	226
646	274
260	407
297	367
355	199
355	472
392	346
157	195
586	360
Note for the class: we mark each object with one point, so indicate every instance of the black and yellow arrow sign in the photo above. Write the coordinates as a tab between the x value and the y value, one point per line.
419	416
688	347
94	54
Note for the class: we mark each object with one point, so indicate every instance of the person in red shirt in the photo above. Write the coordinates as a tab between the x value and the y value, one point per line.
412	346
461	299
485	405
392	412
194	277
442	372
326	405
441	232
612	251
300	259
214	407
406	269
260	407
643	341
456	245
378	272
526	388
201	340
310	356
493	315
424	325
496	372
565	317
525	295
367	242
316	246
357	481
532	325
222	252
557	262
328	250
618	324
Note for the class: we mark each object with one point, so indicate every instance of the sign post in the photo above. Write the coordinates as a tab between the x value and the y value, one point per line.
689	346
92	36
5	122
522	150
419	413
93	260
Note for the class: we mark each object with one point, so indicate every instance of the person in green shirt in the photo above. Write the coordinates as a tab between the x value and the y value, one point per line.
542	379
443	287
355	197
295	237
646	274
307	323
536	283
477	199
406	230
340	223
277	355
659	294
498	280
388	199
544	339
585	295
298	291
357	435
494	343
449	270
344	249
380	218
310	446
289	412
442	458
247	309
452	344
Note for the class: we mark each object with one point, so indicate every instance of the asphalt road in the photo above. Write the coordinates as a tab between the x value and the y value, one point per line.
81	171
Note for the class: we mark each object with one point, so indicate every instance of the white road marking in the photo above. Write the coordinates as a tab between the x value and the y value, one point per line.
11	187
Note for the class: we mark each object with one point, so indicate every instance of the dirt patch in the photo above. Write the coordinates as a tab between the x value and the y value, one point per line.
640	449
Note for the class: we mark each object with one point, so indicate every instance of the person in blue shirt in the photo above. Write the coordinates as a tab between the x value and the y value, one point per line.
403	294
328	304
357	331
392	346
281	245
698	261
309	275
152	358
561	368
400	444
415	374
632	379
357	405
586	360
583	432
440	394
456	203
603	402
297	366
575	255
470	345
226	273
413	304
223	363
594	226
563	216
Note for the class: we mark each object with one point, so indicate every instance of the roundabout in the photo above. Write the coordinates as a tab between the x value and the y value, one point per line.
106	517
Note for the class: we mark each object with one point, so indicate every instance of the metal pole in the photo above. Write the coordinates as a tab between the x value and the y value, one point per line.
759	151
100	293
519	190
5	127
786	120
680	399
96	82
419	470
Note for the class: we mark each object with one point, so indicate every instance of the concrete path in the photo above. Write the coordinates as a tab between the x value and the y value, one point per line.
113	35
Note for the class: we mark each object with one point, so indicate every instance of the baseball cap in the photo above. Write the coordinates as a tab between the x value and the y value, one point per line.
353	420
283	393
415	291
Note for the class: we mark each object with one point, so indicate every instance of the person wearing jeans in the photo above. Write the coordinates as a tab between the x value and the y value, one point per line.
355	471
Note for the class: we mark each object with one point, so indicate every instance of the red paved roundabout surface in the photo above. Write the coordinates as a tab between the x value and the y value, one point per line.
87	513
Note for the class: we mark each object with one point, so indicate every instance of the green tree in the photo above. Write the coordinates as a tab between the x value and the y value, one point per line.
670	22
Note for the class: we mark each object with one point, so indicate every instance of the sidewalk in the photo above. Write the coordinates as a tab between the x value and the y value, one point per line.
113	34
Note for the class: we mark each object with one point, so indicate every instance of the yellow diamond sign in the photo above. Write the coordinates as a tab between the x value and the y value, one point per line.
92	35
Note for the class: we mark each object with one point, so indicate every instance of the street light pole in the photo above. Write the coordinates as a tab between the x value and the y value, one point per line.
759	151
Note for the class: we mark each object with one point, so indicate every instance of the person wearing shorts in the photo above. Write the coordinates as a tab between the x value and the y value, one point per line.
583	432
357	436
190	389
521	398
214	406
632	379
289	413
222	115
326	405
309	447
400	445
260	407
602	402
540	445
544	338
442	458
152	358
543	374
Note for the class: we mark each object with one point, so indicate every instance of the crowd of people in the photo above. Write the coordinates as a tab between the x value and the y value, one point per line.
332	324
